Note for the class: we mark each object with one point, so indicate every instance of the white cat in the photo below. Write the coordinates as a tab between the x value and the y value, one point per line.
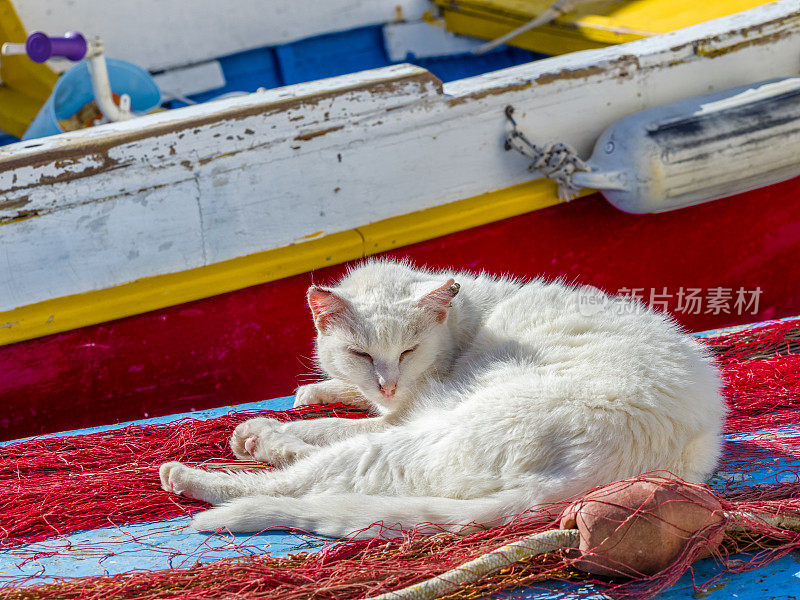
494	396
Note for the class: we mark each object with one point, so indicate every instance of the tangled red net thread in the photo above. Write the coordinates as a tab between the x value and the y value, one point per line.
54	486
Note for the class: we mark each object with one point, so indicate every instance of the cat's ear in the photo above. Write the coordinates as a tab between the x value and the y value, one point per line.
438	301
326	307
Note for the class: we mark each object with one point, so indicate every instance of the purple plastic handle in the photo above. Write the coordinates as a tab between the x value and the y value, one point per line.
40	47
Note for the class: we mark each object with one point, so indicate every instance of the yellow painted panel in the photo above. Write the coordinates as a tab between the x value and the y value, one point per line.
546	40
17	110
152	293
661	16
605	22
26	84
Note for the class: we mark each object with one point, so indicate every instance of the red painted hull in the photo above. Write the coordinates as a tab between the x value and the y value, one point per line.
257	342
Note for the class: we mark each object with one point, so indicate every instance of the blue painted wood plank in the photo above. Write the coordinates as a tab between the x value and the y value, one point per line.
246	72
171	544
460	66
143	547
780	580
332	54
6	139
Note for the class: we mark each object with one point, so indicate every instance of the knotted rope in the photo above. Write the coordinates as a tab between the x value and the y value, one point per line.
555	161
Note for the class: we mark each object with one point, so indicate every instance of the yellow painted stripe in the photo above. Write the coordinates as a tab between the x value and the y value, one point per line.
458	216
151	293
588	26
160	291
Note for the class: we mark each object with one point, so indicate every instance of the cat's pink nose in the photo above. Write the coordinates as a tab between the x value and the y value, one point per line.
388	389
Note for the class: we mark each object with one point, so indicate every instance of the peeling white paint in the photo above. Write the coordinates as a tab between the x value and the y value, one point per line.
88	246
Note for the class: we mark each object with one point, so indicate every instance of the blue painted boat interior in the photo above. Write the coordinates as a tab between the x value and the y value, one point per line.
6	139
340	53
335	54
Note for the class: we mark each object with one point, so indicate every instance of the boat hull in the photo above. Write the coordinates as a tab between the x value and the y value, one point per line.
257	342
159	265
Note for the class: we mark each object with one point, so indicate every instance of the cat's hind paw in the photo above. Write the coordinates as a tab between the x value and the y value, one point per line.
250	435
211	520
243	436
244	515
208	520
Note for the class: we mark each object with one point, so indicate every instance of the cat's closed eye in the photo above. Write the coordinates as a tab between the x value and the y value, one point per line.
407	352
360	353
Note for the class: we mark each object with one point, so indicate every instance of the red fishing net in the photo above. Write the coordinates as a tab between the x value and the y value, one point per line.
57	485
53	486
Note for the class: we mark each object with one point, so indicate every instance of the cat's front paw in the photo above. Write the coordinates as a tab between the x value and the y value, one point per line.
265	440
313	394
329	392
189	482
172	477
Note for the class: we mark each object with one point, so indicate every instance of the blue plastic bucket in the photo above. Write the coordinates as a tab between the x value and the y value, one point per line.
74	89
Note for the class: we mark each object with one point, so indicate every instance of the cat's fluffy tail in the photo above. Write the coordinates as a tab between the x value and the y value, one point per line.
343	514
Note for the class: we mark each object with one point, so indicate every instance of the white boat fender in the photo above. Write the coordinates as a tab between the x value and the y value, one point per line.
684	153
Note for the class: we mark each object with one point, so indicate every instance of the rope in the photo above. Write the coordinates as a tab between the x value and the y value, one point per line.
531	545
789	522
555	161
561	7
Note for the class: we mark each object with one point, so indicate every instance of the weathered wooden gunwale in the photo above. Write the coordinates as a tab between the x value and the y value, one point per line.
192	188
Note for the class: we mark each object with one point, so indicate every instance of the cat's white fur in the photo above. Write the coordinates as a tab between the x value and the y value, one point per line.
513	394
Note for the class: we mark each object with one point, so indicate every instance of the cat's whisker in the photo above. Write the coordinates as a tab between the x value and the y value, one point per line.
311	378
307	362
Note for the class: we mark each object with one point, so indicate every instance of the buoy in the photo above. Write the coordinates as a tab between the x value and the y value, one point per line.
641	526
699	149
684	153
